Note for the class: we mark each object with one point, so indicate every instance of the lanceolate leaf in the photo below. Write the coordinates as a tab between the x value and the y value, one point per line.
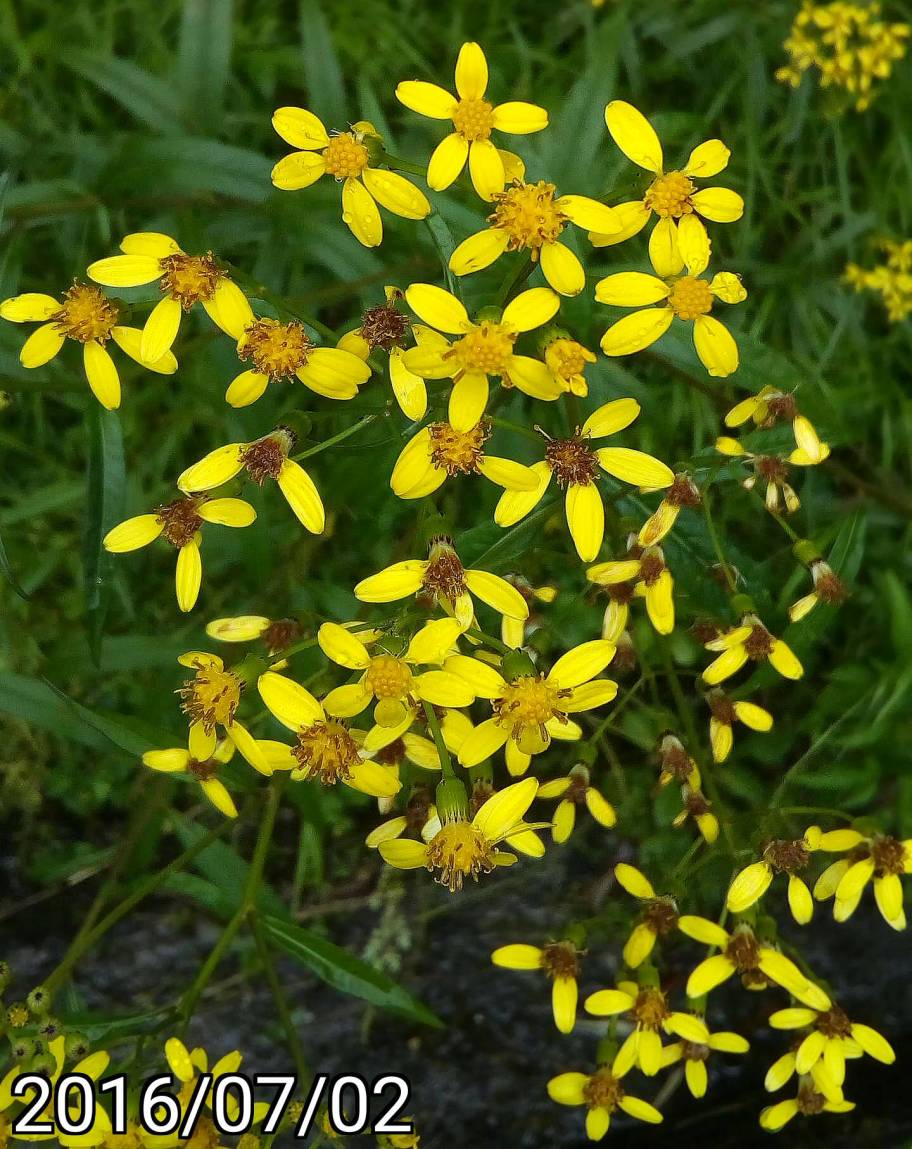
104	501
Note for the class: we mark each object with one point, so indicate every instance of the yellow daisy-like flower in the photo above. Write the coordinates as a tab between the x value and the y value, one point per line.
750	641
385	327
263	459
646	577
682	493
880	859
669	294
781	856
675	763
460	848
560	962
576	466
695	1054
346	156
603	1094
179	523
658	916
183	281
513	630
742	953
725	712
188	1066
769	407
647	1007
532	217
443	579
809	1102
699	808
478	350
567	359
419	810
474	119
672	196
531	709
87	316
91	1067
772	470
573	791
439	452
282	351
828	588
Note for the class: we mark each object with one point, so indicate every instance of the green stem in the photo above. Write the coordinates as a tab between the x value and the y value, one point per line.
717	545
281	1004
340	437
488	640
243	280
514	282
399	164
443	754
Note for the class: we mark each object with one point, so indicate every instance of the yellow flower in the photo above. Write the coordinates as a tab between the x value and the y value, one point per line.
188	1066
658	917
695	1054
780	856
808	1102
532	217
91	1067
179	523
773	470
647	1007
443	579
688	297
891	280
462	849
531	709
566	359
263	459
419	809
439	451
560	962
573	791
682	493
742	953
828	588
602	1093
575	465
880	859
696	806
385	327
513	630
86	315
645	576
672	196
751	640
182	279
725	712
346	156
473	118
768	407
479	350
277	634
676	764
281	351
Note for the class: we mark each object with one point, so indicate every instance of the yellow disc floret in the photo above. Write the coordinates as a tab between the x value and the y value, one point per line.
458	452
211	697
388	677
528	703
459	851
326	751
275	349
189	278
528	213
670	195
345	156
690	297
487	349
474	119
86	314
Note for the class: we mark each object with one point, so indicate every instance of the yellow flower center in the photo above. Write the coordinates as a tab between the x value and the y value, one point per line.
86	314
529	702
458	452
670	195
603	1091
345	156
264	458
180	519
211	697
889	855
488	348
650	1008
275	349
690	297
572	461
566	358
559	959
474	119
459	851
189	278
388	677
528	213
326	751
742	951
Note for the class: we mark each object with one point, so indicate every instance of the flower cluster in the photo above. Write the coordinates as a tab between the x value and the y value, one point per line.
891	279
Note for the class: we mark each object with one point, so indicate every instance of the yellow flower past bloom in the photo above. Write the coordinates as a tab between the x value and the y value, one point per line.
750	641
658	915
91	1067
682	493
532	217
780	856
676	765
474	119
646	577
603	1094
880	859
695	1054
560	962
180	523
567	359
696	806
573	791
828	588
808	1102
385	327
725	713
576	466
87	316
346	156
672	195
647	1009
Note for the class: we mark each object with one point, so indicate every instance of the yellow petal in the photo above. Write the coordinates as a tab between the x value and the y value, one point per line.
434	641
471	72
660	603
715	346
497	593
664	253
873	1043
347	701
298	170
564	994
302	495
447	161
342	647
213	469
728	287
300	128
153	243
634	467
188	575
160	330
394	582
708	159
426	99
42	345
218	795
586	519
503	810
630	218
486	169
442	689
517	956
800	901
567	1088
518	118
702	930
132	534
718	204
589	213
749	886
600	808
101	374
246	388
403	853
396	193
249	748
754	716
634	135
289	702
438	308
409	388
229	309
125	270
514	505
167	761
129	340
239	628
630	289
562	269
479	251
361	214
30	307
611	417
708	974
693	244
636	332
227	512
468	400
505	473
728	663
484	680
483	741
783	660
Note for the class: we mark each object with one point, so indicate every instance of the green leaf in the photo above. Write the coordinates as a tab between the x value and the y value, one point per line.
204	59
445	245
105	481
345	972
7	570
322	74
147	98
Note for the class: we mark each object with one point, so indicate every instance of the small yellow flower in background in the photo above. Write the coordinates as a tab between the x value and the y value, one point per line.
443	580
532	217
695	1054
560	962
410	1140
183	281
672	196
179	523
461	848
482	349
808	1102
532	709
573	791
263	459
566	359
696	806
513	630
385	327
781	856
676	765
647	1008
473	118
346	156
770	406
87	316
775	471
282	351
603	1094
892	280
743	953
749	641
419	810
725	712
823	1051
688	297
682	493
658	916
880	859
277	634
325	749
576	466
438	452
828	588
647	577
